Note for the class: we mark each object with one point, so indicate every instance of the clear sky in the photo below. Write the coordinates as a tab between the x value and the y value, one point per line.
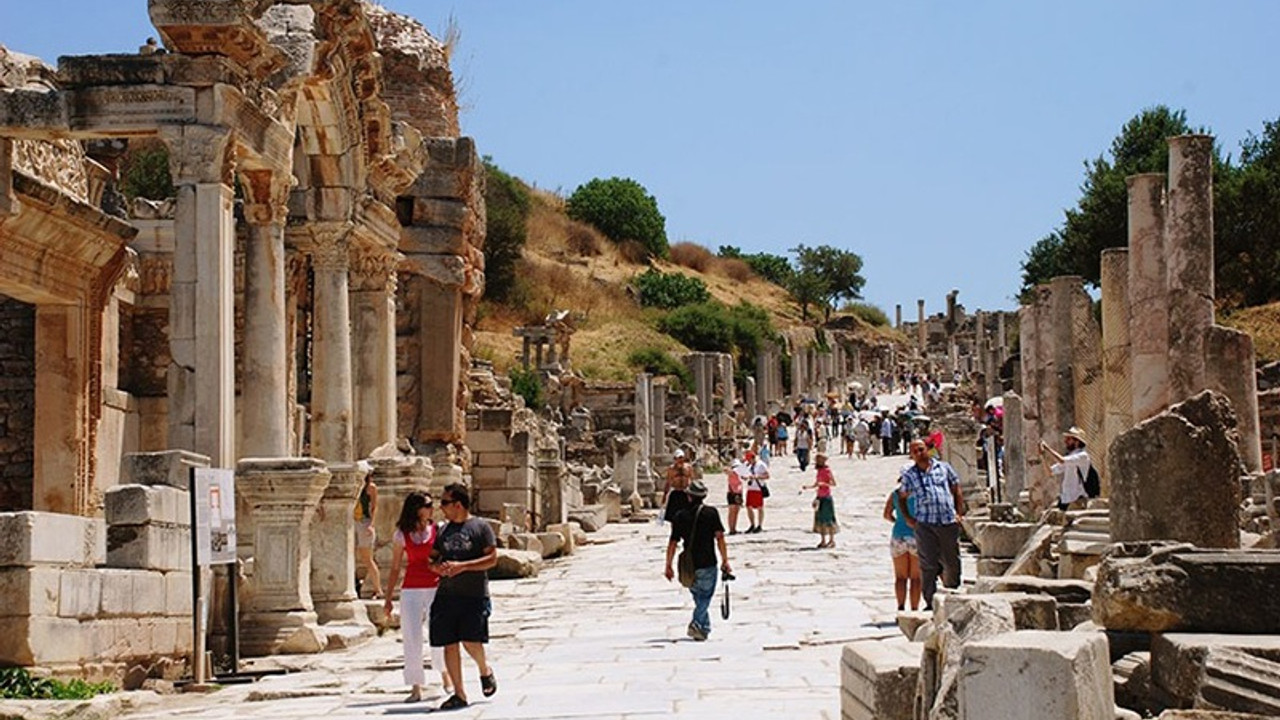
938	140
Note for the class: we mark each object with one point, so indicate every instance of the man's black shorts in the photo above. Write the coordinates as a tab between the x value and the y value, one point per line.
457	619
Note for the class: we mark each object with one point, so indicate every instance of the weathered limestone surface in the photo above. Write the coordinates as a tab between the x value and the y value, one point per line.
1230	672
958	620
1003	540
1170	587
1230	369
1148	296
1176	476
1117	380
36	538
1188	238
878	679
1045	675
1015	448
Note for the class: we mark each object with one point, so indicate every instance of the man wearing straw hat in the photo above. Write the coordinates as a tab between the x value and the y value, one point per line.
1070	469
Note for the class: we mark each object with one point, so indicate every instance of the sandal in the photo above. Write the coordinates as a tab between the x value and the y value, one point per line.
488	684
453	703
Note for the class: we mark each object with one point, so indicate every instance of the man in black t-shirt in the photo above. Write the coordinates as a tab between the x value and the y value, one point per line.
463	554
699	529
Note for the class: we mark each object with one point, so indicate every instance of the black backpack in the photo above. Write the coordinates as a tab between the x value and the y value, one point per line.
1092	483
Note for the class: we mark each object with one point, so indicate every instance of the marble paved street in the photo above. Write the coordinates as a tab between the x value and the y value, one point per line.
601	634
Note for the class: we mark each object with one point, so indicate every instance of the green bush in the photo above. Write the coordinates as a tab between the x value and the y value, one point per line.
657	361
774	268
528	385
715	327
670	290
145	173
868	313
623	210
507	206
18	684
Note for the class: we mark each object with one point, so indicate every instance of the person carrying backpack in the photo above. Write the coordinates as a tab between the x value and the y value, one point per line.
1077	478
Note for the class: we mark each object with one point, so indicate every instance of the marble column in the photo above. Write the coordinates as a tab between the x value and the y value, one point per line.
725	370
278	615
1231	370
63	480
921	331
626	464
658	419
264	420
1148	297
1034	373
643	397
373	331
201	378
331	399
555	494
897	316
751	404
1189	261
1015	449
1117	384
333	567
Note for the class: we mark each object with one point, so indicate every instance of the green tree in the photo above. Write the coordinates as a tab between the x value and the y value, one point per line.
1247	222
826	274
1100	218
774	268
623	210
507	205
670	290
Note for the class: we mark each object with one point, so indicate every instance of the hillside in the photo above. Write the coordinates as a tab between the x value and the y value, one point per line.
568	265
1263	323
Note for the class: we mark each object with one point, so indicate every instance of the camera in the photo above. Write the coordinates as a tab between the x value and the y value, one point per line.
726	576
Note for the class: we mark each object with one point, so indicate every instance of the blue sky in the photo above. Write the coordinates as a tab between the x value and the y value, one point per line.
938	140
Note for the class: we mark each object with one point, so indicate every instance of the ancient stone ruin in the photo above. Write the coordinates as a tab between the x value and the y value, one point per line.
1143	602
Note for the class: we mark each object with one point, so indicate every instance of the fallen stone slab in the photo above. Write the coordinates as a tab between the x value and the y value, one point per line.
1131	677
1176	476
1067	591
993	567
1072	615
1036	548
590	517
878	679
513	564
1003	540
1161	587
552	544
1236	681
1037	674
1179	661
909	621
957	621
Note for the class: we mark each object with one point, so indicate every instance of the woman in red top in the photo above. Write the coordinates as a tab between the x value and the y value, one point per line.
415	539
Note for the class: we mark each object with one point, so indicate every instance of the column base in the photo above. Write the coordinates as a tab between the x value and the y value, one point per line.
281	633
343	612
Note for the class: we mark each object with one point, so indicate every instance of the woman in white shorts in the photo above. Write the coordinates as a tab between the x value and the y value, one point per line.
902	546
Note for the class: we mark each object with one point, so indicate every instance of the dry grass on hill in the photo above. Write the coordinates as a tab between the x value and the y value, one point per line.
568	265
1263	323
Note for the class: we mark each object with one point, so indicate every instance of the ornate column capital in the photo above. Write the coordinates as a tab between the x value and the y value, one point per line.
329	246
373	270
199	153
266	196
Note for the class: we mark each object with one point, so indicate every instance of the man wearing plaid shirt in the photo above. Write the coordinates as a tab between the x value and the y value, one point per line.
936	519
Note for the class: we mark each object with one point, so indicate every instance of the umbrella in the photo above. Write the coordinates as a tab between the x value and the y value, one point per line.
997	401
922	419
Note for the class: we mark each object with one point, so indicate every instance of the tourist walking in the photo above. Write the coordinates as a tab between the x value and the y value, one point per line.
674	498
862	434
1070	470
886	435
460	612
935	516
824	505
804	441
411	548
757	485
366	537
902	548
699	530
734	497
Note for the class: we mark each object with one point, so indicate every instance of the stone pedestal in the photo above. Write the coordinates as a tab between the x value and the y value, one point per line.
960	435
282	493
333	565
551	481
626	464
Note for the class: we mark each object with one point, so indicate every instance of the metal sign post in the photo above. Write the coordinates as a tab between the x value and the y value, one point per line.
213	542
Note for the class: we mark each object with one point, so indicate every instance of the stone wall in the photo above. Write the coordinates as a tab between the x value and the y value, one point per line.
17	403
408	54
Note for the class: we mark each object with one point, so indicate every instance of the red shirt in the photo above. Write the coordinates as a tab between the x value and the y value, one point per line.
417	571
